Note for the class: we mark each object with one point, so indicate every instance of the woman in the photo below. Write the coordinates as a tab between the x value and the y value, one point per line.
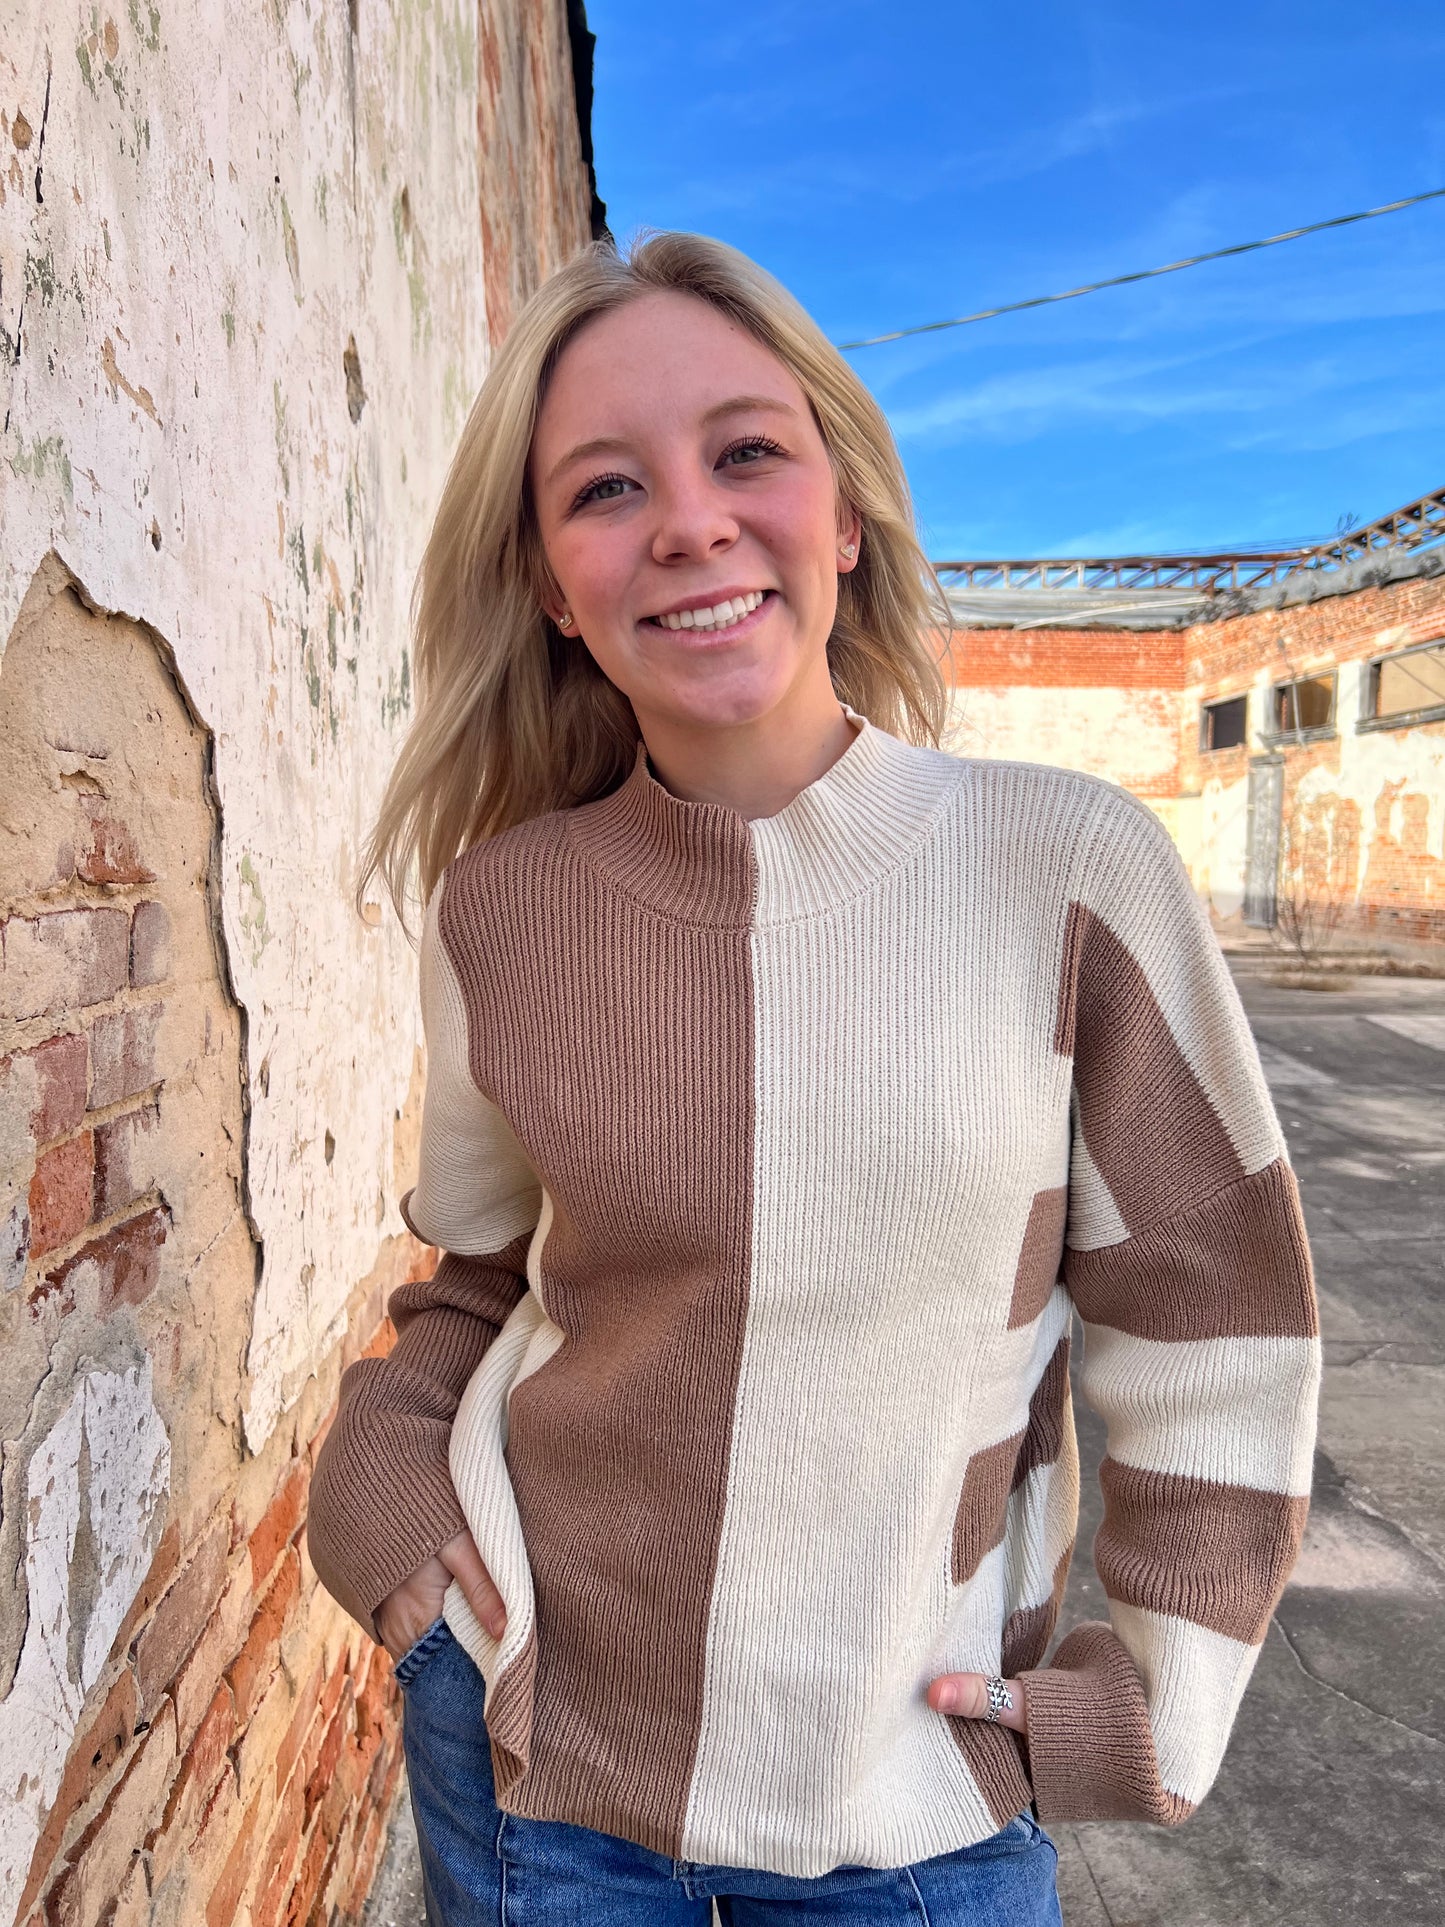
790	1084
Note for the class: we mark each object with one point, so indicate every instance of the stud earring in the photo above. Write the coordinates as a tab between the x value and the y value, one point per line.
564	621
849	549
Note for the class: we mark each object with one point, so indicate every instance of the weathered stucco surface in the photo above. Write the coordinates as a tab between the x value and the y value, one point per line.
1129	735
243	313
241	287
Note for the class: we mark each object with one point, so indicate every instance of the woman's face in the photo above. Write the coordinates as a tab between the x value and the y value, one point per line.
678	474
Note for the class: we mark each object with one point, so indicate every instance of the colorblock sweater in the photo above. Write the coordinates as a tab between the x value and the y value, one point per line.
769	1160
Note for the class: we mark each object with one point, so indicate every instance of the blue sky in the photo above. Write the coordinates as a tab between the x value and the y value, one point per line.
899	163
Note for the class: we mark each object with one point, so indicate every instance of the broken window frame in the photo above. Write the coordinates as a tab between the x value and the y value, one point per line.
1208	711
1370	717
1307	732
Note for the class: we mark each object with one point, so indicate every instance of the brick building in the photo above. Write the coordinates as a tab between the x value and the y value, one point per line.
1284	713
251	282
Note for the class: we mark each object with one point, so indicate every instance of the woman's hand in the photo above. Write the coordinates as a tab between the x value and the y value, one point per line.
405	1614
966	1695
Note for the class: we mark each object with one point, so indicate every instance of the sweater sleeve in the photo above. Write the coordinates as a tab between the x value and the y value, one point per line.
1186	1258
382	1499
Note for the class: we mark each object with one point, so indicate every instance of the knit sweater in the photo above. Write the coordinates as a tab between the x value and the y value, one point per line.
769	1160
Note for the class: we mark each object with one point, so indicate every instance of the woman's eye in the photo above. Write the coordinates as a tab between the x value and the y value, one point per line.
606	488
750	451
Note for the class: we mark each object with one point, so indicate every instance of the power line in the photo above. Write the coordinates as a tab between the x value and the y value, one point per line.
1145	274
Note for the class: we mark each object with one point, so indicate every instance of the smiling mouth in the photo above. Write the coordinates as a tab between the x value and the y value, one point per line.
720	615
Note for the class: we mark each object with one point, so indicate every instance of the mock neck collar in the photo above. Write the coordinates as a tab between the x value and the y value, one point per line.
706	863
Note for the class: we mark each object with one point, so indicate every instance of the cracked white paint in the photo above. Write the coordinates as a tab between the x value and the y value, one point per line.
102	1470
230	194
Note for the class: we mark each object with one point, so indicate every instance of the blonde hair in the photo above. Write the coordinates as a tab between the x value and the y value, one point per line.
513	717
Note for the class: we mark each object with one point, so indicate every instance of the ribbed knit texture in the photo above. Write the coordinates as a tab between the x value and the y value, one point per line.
770	1160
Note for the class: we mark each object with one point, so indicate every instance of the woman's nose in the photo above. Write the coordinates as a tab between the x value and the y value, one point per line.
694	519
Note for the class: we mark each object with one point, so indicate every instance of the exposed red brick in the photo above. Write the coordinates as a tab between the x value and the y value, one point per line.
324	1771
127	1261
60	1066
376	1703
150	944
323	1907
289	1751
368	1844
94	1755
101	1857
63	960
314	1864
278	1859
108	852
380	1342
194	1788
1065	658
337	1687
422	1260
181	1616
61	1192
127	1158
163	1567
123	1054
318	1437
225	1896
281	1520
224	1635
250	1672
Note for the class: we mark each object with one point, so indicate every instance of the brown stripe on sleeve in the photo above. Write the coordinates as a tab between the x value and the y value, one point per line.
1237	1265
992	1474
1153	1135
620	1045
1090	1745
1215	1554
1044	1435
1040	1256
994	1756
1027	1632
382	1500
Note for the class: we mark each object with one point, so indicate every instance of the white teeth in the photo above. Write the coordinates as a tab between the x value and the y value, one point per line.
719	617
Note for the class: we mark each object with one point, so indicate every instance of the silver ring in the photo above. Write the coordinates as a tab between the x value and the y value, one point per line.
1000	1700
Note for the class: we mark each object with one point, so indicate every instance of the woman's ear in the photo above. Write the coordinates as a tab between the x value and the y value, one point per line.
554	606
850	538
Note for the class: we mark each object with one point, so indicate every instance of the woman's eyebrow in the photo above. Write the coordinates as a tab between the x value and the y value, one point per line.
748	405
618	445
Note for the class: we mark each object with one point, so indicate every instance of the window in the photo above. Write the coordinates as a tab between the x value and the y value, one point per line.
1304	709
1405	688
1222	725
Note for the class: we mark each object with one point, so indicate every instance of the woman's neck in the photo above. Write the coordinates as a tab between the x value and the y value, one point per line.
756	767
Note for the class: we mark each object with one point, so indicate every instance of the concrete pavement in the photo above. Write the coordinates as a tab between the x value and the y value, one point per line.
1329	1810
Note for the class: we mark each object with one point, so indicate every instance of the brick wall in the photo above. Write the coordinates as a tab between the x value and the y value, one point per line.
1363	830
1363	817
206	1736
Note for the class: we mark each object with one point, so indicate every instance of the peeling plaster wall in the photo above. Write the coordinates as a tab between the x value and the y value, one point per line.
244	288
1129	735
242	317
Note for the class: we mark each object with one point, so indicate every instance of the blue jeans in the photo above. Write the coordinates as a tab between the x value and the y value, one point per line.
485	1868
